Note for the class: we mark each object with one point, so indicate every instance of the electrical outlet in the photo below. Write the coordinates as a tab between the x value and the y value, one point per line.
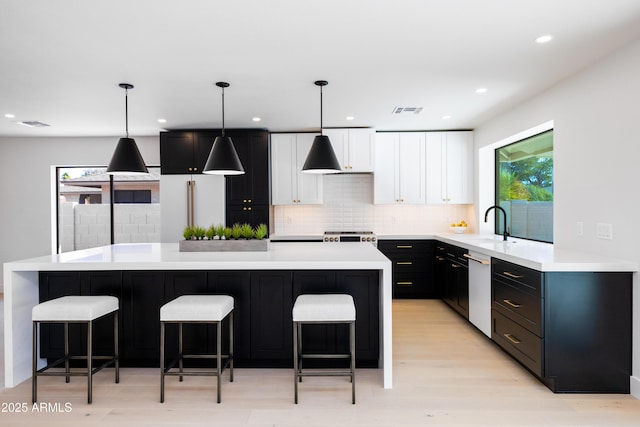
604	231
580	228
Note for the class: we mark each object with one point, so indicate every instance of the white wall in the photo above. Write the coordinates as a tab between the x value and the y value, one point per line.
596	155
25	185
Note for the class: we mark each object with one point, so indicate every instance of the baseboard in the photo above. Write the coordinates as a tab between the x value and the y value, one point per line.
635	387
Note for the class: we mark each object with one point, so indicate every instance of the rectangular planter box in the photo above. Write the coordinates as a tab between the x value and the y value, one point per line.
224	245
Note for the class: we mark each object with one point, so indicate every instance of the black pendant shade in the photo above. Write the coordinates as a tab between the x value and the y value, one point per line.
126	159
321	158
223	158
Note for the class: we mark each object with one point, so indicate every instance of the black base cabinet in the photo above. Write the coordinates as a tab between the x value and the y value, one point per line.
452	273
263	301
570	329
412	267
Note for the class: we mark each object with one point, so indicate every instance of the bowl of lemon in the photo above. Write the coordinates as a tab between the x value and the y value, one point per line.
459	227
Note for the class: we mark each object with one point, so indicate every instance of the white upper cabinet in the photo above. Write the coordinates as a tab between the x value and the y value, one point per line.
399	175
449	167
354	148
289	185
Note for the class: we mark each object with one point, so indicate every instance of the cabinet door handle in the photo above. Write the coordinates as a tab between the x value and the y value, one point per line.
404	246
440	258
455	265
404	263
404	283
511	303
513	276
512	339
195	169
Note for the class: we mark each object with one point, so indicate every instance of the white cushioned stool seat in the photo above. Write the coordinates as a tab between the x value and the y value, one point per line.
324	308
197	308
70	308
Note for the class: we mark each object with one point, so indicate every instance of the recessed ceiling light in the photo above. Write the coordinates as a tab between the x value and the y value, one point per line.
446	117
481	90
349	118
544	39
256	119
10	116
162	120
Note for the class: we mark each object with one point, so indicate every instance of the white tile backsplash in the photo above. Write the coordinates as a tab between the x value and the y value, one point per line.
348	205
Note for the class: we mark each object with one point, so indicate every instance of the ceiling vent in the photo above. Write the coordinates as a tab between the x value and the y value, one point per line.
407	110
34	124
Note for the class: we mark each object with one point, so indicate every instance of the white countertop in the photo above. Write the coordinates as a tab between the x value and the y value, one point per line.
537	255
166	256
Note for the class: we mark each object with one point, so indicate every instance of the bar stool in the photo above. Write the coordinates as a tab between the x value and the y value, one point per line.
197	309
321	309
75	309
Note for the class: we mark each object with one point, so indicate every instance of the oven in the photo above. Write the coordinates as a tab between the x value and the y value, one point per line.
350	236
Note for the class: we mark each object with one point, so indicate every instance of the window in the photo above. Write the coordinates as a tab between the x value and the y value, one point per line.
524	187
84	208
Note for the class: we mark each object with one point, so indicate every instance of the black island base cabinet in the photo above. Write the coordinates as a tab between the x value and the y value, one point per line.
263	300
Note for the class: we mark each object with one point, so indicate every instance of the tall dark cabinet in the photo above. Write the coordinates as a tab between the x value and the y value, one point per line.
248	195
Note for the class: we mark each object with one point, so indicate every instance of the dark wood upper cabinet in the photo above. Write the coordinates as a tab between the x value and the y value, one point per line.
184	152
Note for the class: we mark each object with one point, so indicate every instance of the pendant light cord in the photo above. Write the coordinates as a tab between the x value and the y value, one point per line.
126	110
222	111
320	110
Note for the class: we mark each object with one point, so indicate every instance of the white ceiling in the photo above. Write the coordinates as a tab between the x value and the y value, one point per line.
61	61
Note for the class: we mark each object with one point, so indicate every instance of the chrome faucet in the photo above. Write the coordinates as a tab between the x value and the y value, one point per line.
504	234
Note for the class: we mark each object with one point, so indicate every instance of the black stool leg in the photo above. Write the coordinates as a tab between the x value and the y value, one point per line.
180	363
89	361
219	356
66	352
34	364
161	362
115	346
295	362
231	346
352	350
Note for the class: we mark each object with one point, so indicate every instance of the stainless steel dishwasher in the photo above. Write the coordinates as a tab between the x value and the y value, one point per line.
480	291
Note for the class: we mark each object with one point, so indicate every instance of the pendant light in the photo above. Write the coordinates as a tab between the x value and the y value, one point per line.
223	158
321	157
126	158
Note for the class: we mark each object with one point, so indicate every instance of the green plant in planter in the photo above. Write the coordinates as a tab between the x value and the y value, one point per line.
211	231
261	231
236	231
228	232
199	232
220	231
246	231
187	233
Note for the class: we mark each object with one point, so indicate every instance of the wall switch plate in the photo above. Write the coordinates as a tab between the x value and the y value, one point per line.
604	231
580	228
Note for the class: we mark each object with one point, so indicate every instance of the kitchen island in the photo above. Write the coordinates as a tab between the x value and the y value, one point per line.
23	287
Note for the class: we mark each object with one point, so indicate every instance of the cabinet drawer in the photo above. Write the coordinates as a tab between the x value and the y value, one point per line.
403	246
406	264
526	279
523	345
521	307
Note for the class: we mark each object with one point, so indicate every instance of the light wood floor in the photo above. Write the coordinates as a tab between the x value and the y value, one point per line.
446	373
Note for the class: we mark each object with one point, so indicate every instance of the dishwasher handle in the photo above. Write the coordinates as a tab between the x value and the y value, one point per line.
478	260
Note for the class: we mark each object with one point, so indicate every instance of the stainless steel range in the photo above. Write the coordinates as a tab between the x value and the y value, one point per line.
350	236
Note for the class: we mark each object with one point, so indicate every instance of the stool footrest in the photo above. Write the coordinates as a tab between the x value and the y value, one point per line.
325	373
